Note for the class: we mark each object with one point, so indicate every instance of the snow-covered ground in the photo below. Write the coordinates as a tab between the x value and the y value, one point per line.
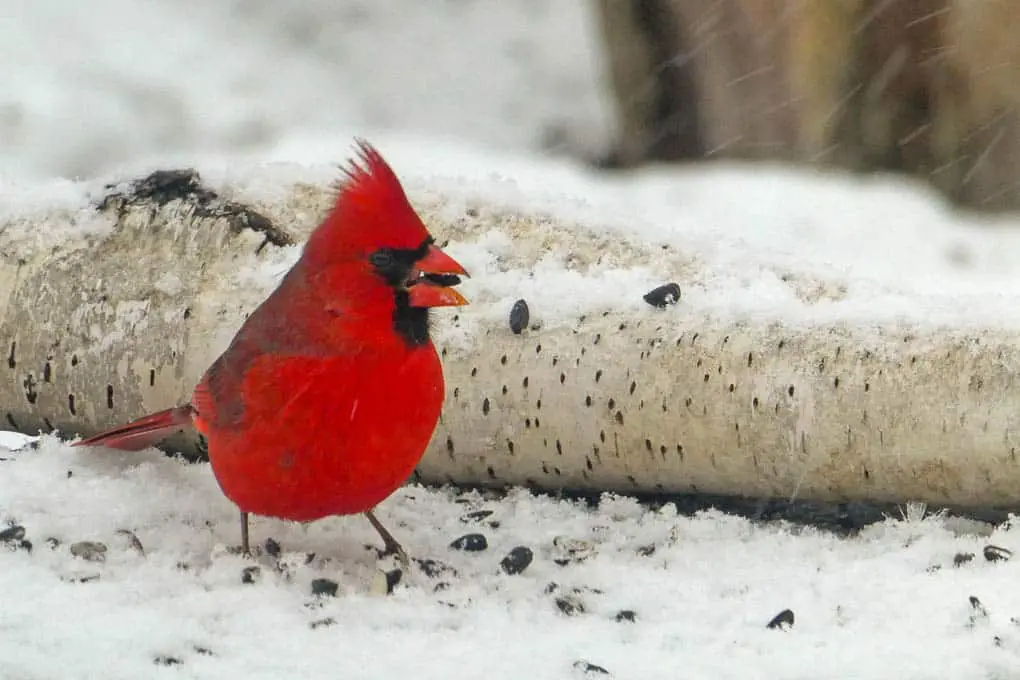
459	95
892	602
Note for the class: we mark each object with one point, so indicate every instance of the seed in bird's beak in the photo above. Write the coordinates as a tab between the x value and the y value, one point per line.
432	281
435	261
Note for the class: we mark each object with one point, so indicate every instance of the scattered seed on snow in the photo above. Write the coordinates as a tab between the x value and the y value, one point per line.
322	623
250	574
781	621
476	516
517	560
132	540
589	668
12	534
994	553
167	661
470	543
80	578
961	559
570	605
434	568
90	551
272	548
325	586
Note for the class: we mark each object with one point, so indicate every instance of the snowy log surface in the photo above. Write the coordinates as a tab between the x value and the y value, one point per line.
116	309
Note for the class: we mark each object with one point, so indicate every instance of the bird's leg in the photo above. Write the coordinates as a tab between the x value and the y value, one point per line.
391	544
245	546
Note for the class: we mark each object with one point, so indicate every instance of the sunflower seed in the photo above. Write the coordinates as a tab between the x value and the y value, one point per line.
589	668
960	559
325	586
520	315
994	553
12	534
470	543
517	560
666	294
570	605
781	621
90	551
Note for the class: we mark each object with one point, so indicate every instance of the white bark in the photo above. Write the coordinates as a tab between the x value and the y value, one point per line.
127	322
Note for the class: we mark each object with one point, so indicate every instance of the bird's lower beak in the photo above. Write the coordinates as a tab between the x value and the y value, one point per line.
433	279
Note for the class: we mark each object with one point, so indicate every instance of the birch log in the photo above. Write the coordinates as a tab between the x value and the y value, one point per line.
100	328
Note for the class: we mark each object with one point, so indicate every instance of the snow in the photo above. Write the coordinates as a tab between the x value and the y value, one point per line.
886	603
748	244
261	96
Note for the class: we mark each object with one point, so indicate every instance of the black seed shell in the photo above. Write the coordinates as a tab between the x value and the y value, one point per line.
666	294
520	316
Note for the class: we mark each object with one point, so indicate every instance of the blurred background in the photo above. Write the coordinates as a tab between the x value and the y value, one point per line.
926	88
87	86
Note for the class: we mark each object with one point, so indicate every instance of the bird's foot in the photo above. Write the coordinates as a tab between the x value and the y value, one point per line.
396	550
390	545
244	550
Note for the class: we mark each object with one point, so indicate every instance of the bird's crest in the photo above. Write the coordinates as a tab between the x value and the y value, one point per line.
371	211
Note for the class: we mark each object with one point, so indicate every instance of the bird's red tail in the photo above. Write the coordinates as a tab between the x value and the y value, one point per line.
144	432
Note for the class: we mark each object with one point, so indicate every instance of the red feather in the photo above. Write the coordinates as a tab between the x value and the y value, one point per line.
144	432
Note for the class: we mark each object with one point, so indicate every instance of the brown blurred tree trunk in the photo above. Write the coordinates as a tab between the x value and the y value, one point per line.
927	87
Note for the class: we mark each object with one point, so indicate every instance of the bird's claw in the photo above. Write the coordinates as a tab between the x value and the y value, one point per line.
396	550
405	561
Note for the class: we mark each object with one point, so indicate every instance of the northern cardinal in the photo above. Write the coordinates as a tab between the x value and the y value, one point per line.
327	397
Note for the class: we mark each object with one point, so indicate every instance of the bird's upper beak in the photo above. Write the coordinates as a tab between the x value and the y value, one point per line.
432	280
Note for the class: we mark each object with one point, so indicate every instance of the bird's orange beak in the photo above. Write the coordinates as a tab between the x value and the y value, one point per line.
433	279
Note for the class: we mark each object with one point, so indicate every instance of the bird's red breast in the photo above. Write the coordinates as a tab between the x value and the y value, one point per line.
330	392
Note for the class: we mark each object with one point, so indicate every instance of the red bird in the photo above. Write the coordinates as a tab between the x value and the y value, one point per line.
327	397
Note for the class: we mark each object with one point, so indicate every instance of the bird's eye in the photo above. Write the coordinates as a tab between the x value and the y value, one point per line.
381	259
